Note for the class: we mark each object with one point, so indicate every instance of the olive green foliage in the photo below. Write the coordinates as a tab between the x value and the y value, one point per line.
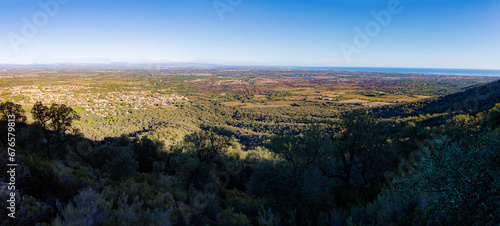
33	211
229	217
387	209
40	114
193	172
117	161
79	110
493	118
242	202
146	153
10	126
89	208
47	178
111	119
459	181
268	218
61	117
9	108
288	188
206	145
111	207
348	159
358	150
159	167
57	117
103	154
195	163
122	166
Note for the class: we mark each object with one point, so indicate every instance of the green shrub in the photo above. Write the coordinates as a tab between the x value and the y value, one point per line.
192	171
111	119
268	218
159	168
146	153
33	211
242	203
460	181
52	179
229	217
103	154
88	208
493	117
117	161
122	166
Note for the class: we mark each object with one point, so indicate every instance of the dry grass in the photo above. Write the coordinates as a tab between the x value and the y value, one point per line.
352	101
233	103
374	104
271	104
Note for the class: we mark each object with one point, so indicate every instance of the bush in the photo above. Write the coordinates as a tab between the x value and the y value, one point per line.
122	166
242	203
159	168
33	211
111	119
288	188
460	180
128	214
146	153
493	117
192	171
103	154
9	108
229	217
205	145
88	208
117	161
268	218
49	179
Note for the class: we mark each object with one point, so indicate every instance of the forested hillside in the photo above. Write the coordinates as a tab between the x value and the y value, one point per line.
428	162
470	101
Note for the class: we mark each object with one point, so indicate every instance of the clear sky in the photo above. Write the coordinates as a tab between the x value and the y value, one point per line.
422	33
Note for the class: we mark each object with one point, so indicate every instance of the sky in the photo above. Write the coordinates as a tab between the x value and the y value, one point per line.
323	33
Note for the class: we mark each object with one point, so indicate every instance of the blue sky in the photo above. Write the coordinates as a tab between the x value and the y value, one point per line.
425	34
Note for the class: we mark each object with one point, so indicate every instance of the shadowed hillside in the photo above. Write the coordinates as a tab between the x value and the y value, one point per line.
470	101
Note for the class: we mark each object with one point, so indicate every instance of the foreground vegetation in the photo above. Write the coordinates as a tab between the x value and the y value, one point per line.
433	161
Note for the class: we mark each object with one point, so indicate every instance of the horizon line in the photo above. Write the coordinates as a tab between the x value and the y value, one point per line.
232	65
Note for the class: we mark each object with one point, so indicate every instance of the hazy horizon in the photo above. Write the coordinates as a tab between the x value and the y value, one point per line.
231	65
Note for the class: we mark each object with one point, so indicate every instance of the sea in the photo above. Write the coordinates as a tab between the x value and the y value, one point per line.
434	71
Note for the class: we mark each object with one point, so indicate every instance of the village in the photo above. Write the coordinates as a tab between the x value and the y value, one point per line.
89	102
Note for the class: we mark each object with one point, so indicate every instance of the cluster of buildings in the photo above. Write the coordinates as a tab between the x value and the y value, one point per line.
230	82
99	103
